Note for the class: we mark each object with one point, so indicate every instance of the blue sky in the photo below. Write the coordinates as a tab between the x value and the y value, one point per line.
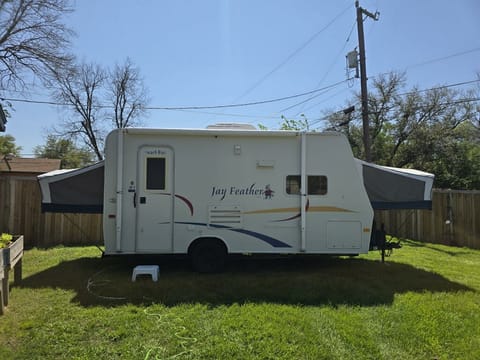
215	52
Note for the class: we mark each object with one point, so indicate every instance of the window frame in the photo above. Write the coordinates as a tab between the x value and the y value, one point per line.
165	169
323	184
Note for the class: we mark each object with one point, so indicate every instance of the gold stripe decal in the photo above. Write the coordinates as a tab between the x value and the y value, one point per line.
327	209
272	211
290	210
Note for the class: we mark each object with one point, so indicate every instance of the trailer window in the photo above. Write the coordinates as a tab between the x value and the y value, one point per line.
316	185
155	173
293	184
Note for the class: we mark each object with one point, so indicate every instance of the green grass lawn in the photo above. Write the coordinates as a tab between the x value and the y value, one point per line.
424	303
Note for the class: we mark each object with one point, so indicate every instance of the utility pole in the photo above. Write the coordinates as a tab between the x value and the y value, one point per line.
363	77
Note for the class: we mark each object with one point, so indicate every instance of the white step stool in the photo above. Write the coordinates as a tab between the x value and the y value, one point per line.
146	270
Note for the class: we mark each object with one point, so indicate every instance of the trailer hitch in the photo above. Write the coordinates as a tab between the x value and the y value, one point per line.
379	242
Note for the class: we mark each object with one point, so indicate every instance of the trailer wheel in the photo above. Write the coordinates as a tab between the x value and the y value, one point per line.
208	256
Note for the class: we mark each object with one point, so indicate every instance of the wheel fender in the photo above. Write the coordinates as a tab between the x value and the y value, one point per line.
201	239
208	255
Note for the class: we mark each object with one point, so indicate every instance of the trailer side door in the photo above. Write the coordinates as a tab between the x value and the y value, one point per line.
154	200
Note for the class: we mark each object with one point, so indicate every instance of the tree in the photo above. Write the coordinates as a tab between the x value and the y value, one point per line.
33	40
431	130
65	149
3	118
8	146
452	154
127	93
87	90
81	89
291	124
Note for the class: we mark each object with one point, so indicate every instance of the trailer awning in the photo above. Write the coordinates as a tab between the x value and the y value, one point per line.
81	190
396	188
73	191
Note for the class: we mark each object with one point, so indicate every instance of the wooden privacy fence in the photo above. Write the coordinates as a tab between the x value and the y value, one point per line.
20	213
454	220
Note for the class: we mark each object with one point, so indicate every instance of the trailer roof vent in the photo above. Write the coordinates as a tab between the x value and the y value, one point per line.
231	126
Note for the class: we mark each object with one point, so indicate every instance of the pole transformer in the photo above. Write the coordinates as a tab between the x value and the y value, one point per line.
363	77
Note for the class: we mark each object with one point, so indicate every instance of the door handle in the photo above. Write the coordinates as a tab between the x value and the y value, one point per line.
135	199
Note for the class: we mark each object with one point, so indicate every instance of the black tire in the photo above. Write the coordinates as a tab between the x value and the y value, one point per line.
208	256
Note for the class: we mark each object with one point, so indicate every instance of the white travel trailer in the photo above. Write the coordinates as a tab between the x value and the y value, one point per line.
213	192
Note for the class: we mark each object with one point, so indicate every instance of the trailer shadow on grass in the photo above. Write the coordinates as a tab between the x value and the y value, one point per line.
311	280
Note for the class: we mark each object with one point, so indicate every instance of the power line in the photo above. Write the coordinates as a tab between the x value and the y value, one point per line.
261	102
445	104
34	101
329	69
410	66
431	61
249	103
310	98
423	107
227	114
183	108
432	88
292	55
307	100
441	87
444	58
449	103
461	101
328	98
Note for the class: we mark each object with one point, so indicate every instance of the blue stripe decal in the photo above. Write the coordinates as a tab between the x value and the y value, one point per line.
269	240
274	242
